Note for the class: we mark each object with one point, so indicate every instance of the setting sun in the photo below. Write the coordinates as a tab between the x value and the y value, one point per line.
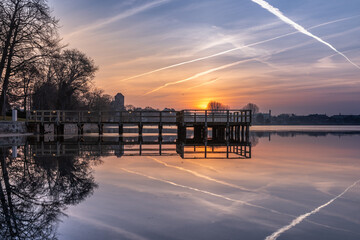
202	105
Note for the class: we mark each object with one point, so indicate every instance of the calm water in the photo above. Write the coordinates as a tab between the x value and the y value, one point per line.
299	184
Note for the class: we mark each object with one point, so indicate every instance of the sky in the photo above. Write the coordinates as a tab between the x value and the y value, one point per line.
184	53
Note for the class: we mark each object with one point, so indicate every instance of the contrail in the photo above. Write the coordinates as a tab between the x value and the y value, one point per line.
198	75
204	192
301	218
203	165
208	72
126	234
120	16
298	27
201	175
224	197
203	84
234	49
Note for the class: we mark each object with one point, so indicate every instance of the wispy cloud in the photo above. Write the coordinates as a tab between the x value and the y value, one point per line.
298	27
301	218
123	15
234	49
224	67
199	75
203	84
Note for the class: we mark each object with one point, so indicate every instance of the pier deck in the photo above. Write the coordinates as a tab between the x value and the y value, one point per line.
193	126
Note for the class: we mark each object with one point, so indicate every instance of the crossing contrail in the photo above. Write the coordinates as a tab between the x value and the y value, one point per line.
199	75
203	84
222	197
234	49
205	192
202	176
202	165
208	72
118	17
301	218
298	27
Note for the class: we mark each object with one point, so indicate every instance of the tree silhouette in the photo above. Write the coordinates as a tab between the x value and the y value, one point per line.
216	106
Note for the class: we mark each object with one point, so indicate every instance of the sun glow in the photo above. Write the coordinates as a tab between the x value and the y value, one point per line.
203	104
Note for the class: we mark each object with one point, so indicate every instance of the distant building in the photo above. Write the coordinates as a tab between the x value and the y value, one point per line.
119	102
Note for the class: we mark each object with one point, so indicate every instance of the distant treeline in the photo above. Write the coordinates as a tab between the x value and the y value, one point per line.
313	119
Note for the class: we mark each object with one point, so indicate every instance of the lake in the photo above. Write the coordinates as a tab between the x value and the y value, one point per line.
300	183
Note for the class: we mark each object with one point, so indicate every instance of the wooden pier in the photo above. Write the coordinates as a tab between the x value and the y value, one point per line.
206	126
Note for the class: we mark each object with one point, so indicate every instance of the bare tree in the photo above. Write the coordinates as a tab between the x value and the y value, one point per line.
253	107
23	83
28	32
66	82
96	100
73	73
216	106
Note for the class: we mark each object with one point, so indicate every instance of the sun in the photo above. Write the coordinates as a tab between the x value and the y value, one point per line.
203	105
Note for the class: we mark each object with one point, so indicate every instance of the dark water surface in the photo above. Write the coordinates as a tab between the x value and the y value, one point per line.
299	184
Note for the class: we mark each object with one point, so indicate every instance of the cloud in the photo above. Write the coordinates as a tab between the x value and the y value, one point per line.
203	84
199	75
118	17
233	49
298	27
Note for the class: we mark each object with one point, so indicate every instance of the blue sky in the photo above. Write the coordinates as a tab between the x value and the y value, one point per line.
293	74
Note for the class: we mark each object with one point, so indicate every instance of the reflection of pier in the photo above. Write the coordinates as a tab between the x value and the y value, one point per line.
201	130
109	146
214	150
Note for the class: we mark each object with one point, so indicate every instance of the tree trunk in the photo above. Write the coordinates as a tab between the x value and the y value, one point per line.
7	74
8	41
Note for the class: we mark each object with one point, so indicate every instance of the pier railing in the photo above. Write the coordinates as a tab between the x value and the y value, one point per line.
63	117
214	116
135	117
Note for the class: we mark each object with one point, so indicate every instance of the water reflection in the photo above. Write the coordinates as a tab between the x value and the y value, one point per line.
152	193
35	190
132	146
256	135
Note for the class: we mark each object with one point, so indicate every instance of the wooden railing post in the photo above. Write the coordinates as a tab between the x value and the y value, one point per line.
206	132
160	138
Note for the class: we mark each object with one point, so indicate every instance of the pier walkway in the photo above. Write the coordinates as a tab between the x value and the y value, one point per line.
192	127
